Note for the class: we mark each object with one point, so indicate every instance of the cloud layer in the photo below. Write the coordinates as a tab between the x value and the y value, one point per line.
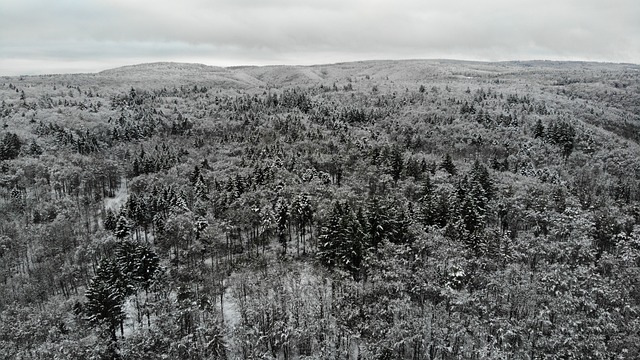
40	36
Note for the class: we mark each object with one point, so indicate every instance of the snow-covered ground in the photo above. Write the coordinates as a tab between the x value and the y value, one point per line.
117	201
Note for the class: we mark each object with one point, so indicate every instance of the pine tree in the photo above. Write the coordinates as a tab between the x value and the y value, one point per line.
123	227
448	166
538	130
201	189
397	163
10	146
354	246
480	175
342	241
399	226
442	210
201	224
195	175
133	268
470	207
282	220
138	265
135	211
110	220
561	134
426	213
105	298
427	188
301	214
377	222
330	237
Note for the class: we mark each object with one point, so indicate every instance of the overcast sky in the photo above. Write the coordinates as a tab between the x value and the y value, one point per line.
53	36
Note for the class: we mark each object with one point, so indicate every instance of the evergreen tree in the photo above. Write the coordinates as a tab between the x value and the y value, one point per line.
282	221
538	130
342	241
110	220
122	228
415	169
442	210
480	174
427	203
137	264
377	222
201	189
561	134
133	268
448	166
302	214
195	175
469	215
397	163
105	297
426	188
331	235
10	146
354	245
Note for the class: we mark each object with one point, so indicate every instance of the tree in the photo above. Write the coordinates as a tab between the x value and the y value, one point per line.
397	163
480	174
427	203
538	130
139	265
133	268
110	220
105	297
122	228
561	134
282	221
342	241
302	215
10	146
604	232
448	166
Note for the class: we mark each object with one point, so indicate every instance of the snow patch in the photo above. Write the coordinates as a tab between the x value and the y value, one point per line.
119	199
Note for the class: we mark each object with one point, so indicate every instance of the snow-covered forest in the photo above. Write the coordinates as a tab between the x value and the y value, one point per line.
371	210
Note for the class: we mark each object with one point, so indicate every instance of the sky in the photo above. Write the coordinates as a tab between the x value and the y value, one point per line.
72	36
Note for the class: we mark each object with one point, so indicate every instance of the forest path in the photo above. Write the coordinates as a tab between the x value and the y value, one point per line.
232	317
117	201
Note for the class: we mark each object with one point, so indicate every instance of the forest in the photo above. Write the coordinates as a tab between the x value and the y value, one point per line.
410	209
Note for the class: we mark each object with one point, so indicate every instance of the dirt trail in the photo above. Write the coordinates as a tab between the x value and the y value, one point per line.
232	317
117	201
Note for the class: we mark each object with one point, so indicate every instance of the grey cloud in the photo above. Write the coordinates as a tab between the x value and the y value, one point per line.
303	31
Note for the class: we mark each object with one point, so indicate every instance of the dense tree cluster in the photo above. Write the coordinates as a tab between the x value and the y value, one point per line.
134	268
349	238
376	210
10	146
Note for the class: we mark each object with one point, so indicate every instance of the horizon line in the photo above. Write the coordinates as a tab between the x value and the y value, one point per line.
541	60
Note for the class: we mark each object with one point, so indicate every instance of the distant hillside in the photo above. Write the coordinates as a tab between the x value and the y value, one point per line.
607	94
170	73
162	69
